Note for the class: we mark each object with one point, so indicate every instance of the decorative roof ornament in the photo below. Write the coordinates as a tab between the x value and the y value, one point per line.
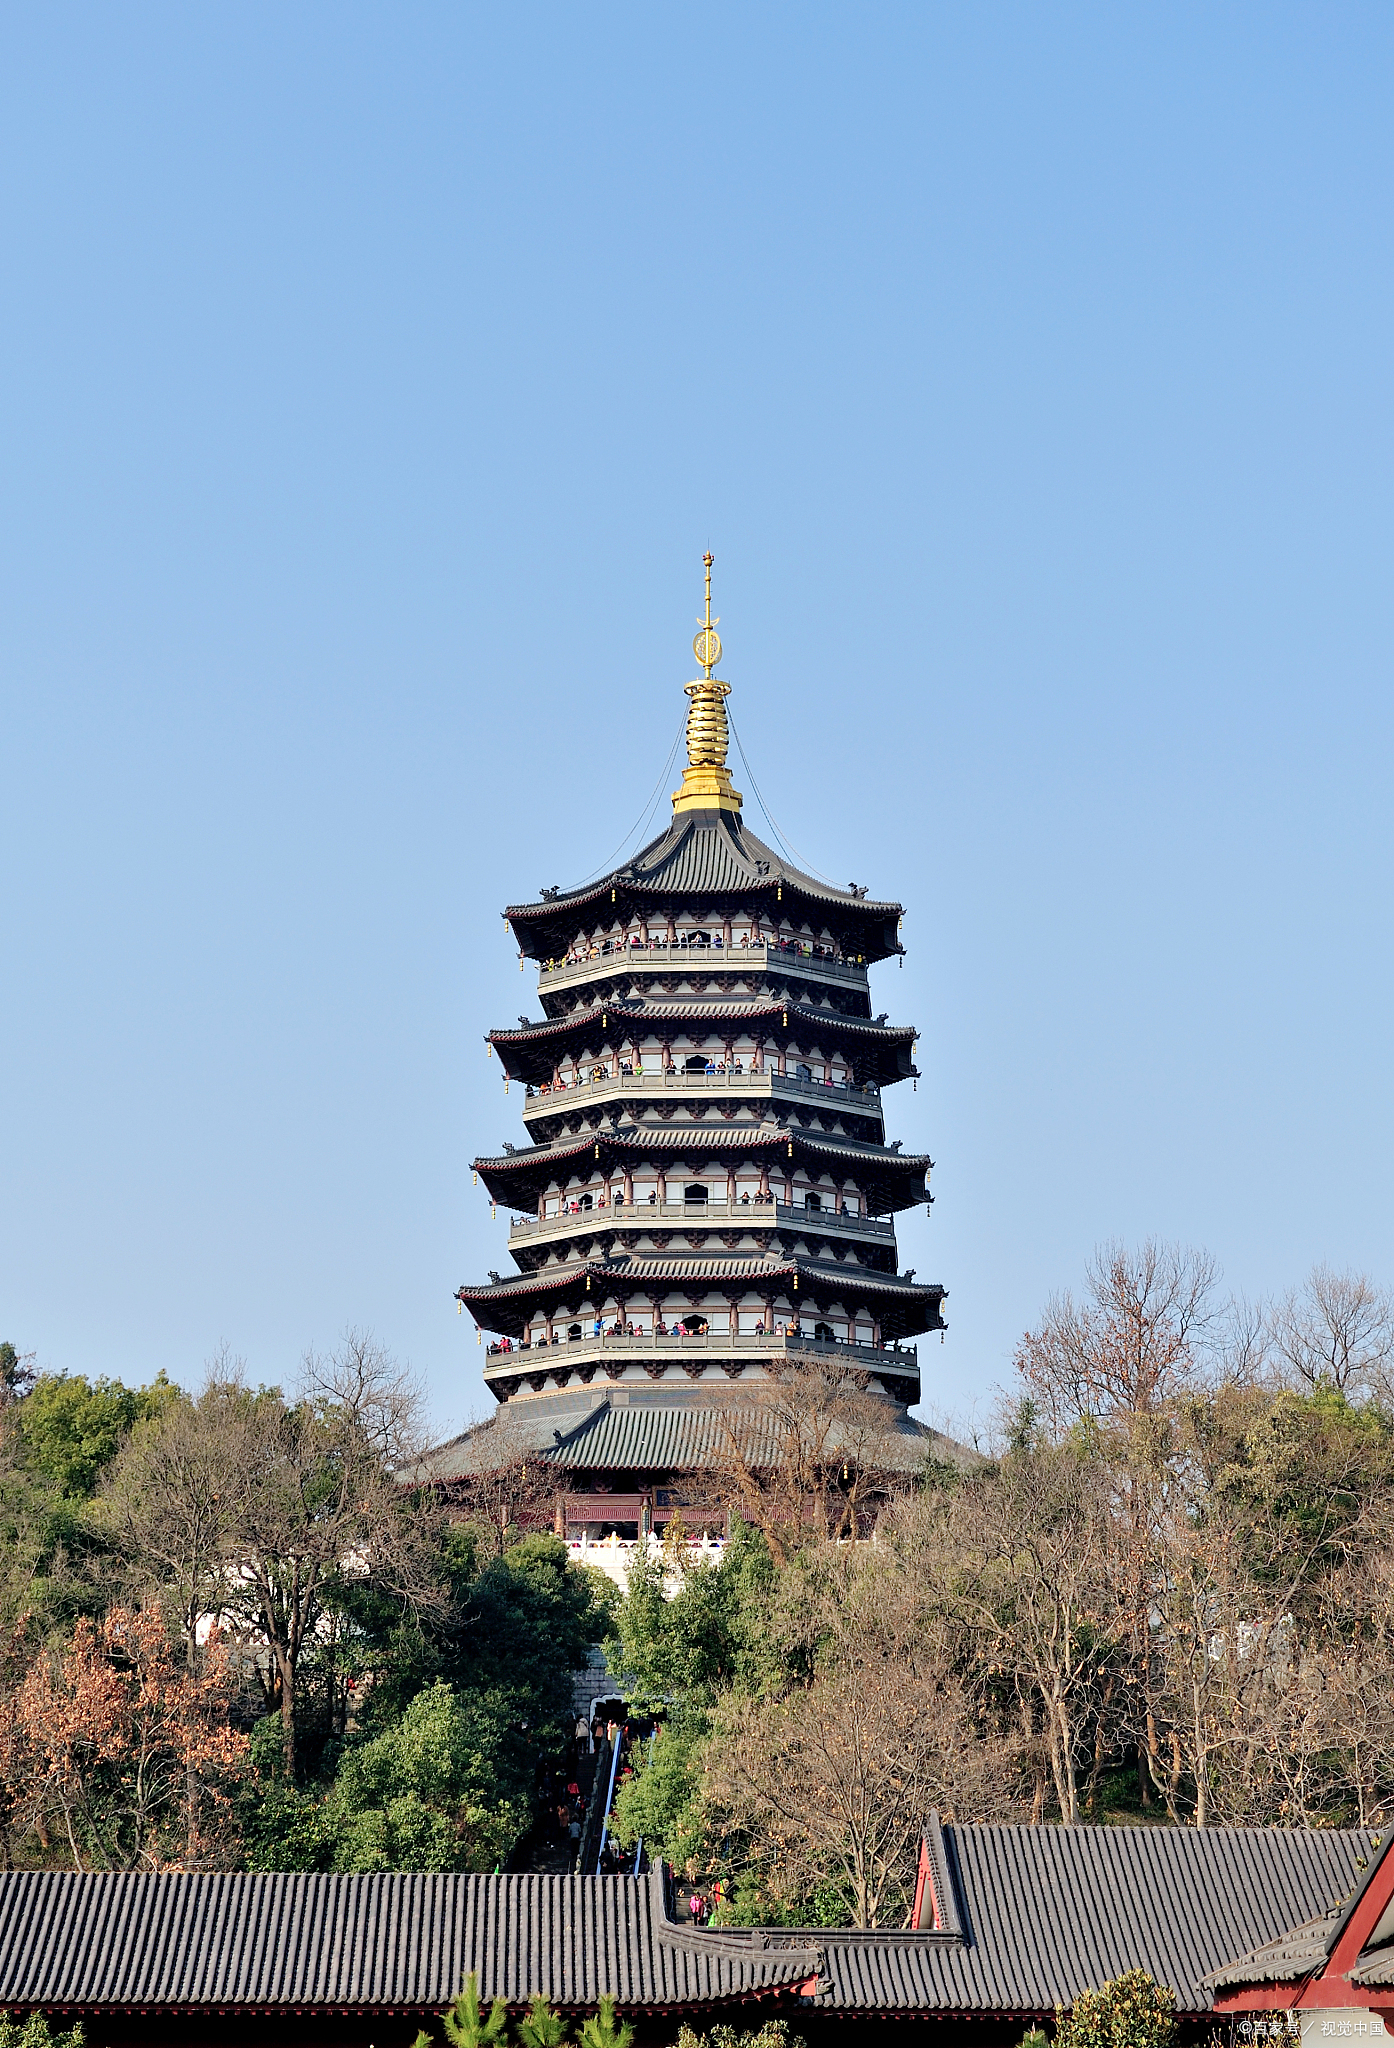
706	782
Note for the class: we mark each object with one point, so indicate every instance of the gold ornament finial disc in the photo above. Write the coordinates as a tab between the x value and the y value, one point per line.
707	647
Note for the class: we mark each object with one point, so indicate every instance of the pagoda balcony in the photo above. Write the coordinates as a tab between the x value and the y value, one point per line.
717	1214
659	957
859	1098
713	1346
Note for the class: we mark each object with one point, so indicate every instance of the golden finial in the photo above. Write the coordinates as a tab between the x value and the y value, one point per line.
707	645
706	782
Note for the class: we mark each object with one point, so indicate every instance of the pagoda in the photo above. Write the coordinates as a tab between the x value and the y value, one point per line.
706	1191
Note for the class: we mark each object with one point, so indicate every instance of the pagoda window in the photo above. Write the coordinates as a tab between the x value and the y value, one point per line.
573	1335
697	1064
695	1194
803	1072
825	1333
812	1199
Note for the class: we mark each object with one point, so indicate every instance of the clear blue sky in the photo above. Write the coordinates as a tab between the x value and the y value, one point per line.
373	380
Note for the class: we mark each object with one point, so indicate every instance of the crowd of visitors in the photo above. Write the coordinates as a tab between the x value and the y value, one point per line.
698	942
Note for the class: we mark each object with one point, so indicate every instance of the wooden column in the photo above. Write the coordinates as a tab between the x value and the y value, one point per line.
662	1187
730	1187
628	1187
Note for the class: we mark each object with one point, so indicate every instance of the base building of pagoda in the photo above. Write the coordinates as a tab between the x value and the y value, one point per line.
706	1190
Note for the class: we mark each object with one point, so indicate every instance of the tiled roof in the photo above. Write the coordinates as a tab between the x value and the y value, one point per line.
379	1942
703	853
1050	1910
635	1270
688	1439
1303	1950
717	1137
644	1431
724	1008
1043	1914
1294	1954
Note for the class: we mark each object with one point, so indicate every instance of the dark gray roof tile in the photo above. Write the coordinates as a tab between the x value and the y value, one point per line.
1045	1913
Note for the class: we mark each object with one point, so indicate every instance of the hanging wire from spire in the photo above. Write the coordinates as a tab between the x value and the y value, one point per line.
640	825
791	853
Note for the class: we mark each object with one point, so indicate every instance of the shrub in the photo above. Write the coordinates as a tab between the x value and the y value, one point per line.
1131	2012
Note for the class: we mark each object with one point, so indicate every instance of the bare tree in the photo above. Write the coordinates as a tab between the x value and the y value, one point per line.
1029	1571
1338	1331
833	1778
317	1505
166	1505
258	1511
508	1487
804	1455
1133	1344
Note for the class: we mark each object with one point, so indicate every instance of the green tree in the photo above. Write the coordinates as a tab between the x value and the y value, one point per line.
446	1788
72	1427
603	2030
35	2032
1130	2012
527	1625
467	2025
540	2027
680	1654
16	1371
774	2034
55	1442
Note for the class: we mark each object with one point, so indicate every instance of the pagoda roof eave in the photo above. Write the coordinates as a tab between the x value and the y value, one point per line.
610	885
702	855
664	1139
502	1305
550	1028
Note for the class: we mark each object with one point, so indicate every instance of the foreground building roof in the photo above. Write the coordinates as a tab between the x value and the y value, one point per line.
1341	1956
1012	1921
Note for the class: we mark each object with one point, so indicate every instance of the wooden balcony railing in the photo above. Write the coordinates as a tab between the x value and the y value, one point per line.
757	1215
583	1350
659	956
858	1097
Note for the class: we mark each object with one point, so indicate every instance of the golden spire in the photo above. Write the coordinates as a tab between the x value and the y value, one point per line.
706	782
